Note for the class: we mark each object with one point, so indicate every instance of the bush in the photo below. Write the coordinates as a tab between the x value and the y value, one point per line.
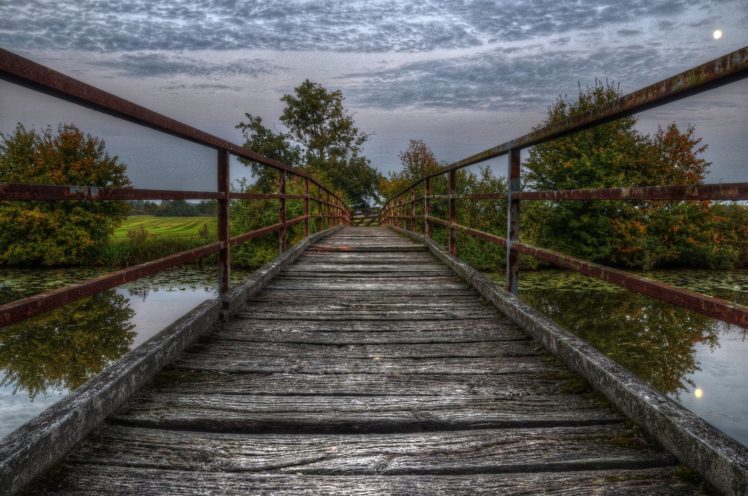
59	232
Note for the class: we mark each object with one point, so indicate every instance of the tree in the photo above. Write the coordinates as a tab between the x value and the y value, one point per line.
321	138
417	161
641	234
324	132
60	232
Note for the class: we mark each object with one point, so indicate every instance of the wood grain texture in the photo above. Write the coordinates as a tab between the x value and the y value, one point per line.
90	480
366	367
458	452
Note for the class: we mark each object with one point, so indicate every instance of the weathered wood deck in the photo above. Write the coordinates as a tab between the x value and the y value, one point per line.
367	367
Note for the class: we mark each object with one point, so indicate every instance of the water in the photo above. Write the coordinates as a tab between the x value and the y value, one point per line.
45	358
700	362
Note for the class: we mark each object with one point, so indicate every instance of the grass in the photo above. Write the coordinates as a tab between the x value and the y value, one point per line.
164	227
141	238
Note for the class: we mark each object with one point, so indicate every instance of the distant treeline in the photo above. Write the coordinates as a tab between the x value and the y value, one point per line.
173	208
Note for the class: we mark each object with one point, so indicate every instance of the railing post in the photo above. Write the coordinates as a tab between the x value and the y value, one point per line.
306	207
327	210
319	208
224	233
452	212
413	210
426	207
282	212
512	235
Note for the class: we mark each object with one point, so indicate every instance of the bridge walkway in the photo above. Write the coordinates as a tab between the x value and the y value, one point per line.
367	367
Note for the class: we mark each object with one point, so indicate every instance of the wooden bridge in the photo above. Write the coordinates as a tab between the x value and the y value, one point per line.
368	360
366	367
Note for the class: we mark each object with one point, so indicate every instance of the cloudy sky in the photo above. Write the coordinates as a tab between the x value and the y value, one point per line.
462	75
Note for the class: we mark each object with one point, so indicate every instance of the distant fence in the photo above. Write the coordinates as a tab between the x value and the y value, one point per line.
330	211
401	209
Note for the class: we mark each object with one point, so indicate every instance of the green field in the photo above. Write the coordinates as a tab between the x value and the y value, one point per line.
165	227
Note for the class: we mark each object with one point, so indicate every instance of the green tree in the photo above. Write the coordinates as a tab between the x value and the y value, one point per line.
60	232
640	234
322	131
417	161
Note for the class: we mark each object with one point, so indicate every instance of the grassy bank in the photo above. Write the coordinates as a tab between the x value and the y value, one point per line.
165	227
144	237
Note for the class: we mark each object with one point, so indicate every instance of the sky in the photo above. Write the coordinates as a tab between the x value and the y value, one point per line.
461	75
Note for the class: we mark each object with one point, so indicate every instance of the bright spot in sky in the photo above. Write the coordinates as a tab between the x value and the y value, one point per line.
698	392
717	34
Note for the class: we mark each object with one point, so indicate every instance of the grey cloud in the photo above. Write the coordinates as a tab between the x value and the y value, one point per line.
362	25
162	64
496	81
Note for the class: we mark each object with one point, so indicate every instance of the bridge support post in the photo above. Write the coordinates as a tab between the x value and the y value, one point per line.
282	212
452	212
318	220
224	233
426	207
413	210
306	207
512	235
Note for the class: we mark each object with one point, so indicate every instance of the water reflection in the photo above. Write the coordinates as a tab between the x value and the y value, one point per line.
66	347
43	359
652	339
699	361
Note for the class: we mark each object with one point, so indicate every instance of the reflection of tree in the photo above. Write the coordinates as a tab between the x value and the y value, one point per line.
64	348
654	340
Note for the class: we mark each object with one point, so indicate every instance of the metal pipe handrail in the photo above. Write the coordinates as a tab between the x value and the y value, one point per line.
717	72
331	210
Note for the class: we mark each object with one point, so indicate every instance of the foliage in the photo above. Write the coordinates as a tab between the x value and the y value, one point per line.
634	234
417	161
248	215
61	232
174	208
65	347
322	139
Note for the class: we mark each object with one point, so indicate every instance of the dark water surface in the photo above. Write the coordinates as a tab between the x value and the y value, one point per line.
43	359
698	361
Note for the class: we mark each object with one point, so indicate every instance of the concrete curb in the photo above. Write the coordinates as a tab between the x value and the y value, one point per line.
717	457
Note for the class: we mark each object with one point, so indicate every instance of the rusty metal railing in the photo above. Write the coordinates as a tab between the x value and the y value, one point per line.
400	209
331	210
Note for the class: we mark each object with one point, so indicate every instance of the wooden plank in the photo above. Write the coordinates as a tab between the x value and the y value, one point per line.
289	334
306	313
335	305
228	351
339	414
93	479
351	285
281	296
507	365
356	268
376	329
475	451
192	382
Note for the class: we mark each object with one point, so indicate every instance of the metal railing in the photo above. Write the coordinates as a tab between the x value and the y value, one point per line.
331	210
400	210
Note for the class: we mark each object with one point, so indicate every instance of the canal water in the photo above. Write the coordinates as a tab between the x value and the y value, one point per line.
700	362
